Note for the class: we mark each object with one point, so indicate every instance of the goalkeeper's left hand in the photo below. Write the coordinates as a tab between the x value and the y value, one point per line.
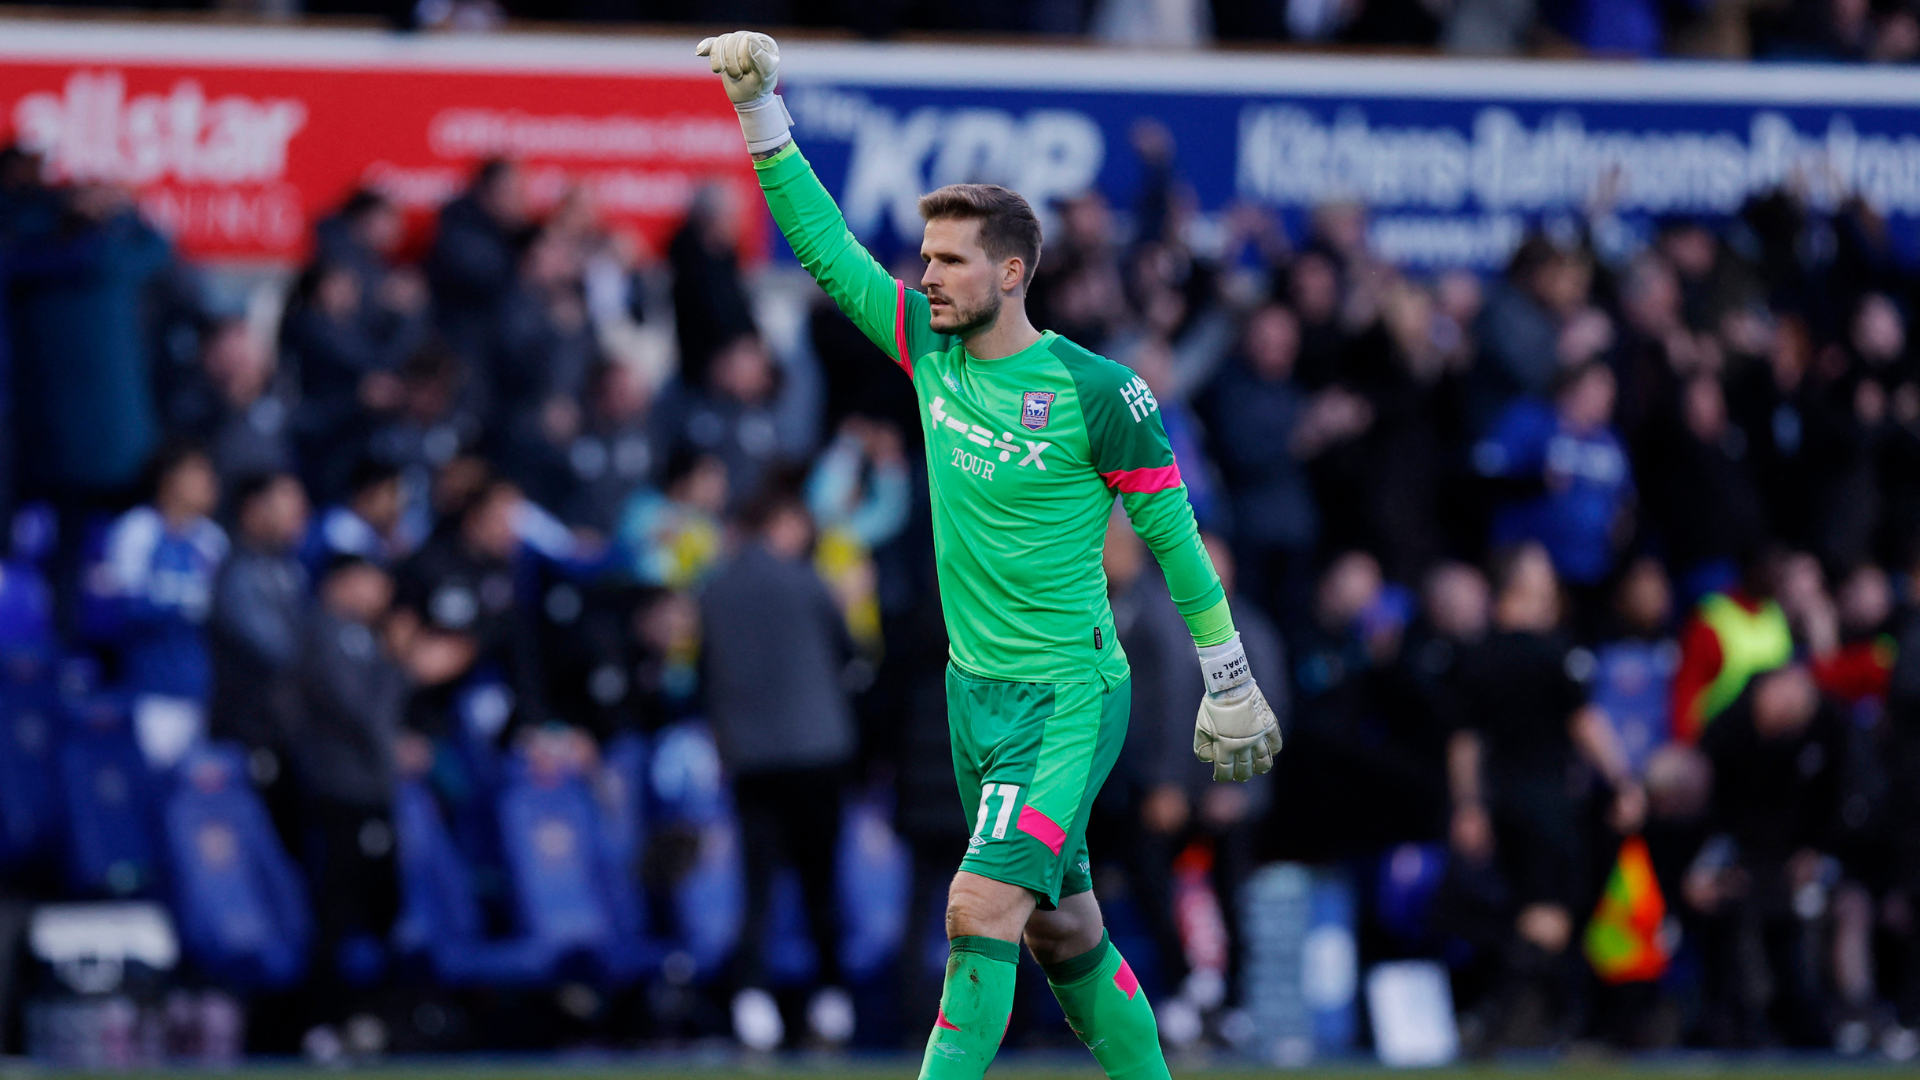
1236	729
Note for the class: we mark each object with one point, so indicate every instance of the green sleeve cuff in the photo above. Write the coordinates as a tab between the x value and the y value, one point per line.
1214	626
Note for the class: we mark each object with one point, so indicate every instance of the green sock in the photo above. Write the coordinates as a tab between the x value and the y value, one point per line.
974	1008
1107	1008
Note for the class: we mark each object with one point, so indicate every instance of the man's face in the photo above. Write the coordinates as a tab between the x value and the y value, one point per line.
962	284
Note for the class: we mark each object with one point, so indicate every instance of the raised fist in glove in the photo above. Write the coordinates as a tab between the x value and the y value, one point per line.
747	62
1236	729
749	66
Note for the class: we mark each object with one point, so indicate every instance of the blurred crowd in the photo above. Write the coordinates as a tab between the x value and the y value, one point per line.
1613	556
1857	31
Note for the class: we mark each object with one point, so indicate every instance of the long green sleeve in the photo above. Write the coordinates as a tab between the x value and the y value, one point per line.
892	316
1164	520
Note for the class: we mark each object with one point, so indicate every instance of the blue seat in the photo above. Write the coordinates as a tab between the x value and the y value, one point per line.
1409	877
564	894
107	793
622	796
440	919
29	730
239	901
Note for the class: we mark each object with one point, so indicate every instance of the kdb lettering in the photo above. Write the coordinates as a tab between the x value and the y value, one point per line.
1044	154
92	130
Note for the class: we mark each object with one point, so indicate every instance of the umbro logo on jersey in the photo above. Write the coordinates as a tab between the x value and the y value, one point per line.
1035	406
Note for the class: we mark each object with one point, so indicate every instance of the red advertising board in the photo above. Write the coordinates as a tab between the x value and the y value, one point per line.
236	156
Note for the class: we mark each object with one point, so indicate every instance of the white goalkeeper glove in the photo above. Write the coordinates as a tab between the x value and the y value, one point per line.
749	65
1236	729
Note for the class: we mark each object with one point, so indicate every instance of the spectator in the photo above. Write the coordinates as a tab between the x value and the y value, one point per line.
1777	755
259	606
1566	476
739	415
81	349
710	308
1633	671
476	249
773	647
349	365
673	535
350	695
859	494
466	580
155	582
1701	500
245	421
1263	430
612	456
1732	636
1526	721
366	526
1536	322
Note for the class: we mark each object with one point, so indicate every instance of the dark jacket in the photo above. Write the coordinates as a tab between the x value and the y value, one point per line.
259	603
351	698
773	647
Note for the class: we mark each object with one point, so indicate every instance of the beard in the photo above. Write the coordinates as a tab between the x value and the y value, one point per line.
962	321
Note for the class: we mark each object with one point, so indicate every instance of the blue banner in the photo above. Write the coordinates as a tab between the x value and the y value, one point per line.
1450	176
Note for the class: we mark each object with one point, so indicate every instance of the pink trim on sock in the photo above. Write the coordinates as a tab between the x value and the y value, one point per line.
1042	828
1125	980
1144	481
941	1021
900	327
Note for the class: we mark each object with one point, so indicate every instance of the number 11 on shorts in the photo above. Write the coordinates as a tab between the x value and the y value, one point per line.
1009	795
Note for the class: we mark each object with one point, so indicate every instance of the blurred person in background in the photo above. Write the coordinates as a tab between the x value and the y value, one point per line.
859	494
673	534
82	351
539	365
773	649
1526	721
1633	667
350	694
1156	810
1263	429
613	455
1700	498
467	579
154	586
1733	635
366	525
475	257
743	414
1566	482
710	307
1762	885
260	604
245	416
1536	321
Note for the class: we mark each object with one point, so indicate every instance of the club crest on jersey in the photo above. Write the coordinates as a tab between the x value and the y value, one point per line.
1035	407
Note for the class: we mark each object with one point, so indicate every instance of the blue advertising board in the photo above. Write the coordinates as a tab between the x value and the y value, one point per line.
1453	159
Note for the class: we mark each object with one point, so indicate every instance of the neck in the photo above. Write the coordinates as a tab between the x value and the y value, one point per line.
177	516
1007	335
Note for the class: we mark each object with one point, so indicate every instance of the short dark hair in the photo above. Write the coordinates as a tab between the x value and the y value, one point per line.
1007	225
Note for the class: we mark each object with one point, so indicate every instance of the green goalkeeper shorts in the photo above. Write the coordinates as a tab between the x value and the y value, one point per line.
1030	757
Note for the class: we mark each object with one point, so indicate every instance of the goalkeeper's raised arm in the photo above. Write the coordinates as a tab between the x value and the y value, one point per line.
892	316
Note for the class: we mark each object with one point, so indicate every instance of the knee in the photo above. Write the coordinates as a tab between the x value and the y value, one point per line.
981	907
1072	930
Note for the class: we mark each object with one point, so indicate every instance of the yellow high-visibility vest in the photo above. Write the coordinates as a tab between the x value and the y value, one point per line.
1751	642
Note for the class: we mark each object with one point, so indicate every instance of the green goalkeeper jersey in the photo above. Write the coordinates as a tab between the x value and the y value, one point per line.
1024	456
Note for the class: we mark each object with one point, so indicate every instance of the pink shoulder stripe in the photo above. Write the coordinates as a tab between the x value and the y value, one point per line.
900	327
1144	481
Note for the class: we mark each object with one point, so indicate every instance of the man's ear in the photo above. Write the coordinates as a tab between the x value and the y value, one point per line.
1013	272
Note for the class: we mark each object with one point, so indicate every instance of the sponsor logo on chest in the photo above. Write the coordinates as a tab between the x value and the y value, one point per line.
1036	406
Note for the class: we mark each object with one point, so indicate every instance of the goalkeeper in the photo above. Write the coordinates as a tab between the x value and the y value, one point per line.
1029	436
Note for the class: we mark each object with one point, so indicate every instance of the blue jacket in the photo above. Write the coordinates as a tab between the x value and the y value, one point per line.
161	584
1584	481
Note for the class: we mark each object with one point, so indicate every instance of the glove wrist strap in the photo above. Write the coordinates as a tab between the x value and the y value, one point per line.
1224	666
765	122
